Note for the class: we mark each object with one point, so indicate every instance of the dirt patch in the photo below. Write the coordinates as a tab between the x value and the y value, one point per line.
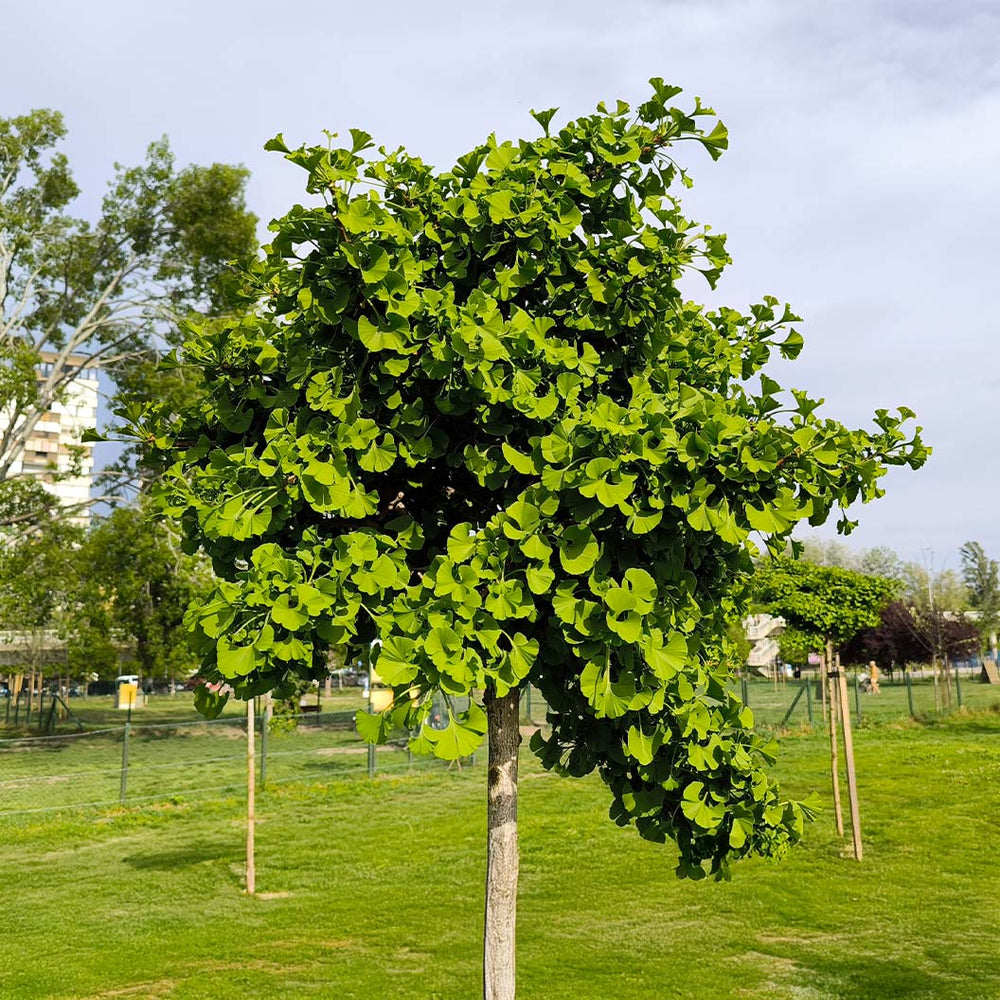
796	938
152	991
258	965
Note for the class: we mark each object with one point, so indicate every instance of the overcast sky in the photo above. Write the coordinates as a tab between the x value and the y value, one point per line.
862	184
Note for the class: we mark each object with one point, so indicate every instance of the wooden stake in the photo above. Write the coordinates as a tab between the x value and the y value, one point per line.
852	782
251	795
834	775
822	689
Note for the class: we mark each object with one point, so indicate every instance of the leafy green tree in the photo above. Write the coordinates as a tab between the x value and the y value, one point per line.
825	603
881	561
38	581
795	645
474	418
981	576
80	295
134	587
929	589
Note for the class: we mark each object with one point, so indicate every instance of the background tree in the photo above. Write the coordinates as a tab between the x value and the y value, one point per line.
880	561
828	552
907	635
39	574
474	418
896	641
102	294
739	646
826	602
135	586
927	588
795	645
982	580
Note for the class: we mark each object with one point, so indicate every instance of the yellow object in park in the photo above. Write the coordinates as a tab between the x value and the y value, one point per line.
127	694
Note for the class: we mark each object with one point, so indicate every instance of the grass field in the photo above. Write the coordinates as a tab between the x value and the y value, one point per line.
373	889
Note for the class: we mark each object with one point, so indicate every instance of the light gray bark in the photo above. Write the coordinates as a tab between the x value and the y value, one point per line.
502	857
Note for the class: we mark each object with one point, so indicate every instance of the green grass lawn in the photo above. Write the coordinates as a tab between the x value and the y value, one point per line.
373	889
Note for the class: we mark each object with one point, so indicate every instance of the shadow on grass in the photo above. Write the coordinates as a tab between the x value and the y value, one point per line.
184	858
887	979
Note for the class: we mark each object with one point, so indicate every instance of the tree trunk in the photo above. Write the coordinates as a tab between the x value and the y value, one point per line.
503	733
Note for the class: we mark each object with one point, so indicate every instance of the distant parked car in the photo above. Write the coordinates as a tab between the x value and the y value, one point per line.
4	689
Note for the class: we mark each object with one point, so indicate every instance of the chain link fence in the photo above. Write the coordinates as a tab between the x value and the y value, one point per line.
137	763
916	694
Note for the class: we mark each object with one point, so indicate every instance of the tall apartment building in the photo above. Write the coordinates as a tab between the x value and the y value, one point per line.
59	430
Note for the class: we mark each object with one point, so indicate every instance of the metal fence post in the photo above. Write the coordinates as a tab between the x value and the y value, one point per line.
791	708
857	696
124	783
371	760
746	693
909	692
809	701
958	688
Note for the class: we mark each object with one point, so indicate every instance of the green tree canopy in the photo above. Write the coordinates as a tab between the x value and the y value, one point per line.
794	645
134	587
981	575
38	583
826	603
474	418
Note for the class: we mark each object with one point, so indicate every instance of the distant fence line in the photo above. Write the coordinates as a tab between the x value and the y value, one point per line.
163	762
146	762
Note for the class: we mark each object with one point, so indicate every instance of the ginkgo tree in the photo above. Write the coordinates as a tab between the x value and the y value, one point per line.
474	418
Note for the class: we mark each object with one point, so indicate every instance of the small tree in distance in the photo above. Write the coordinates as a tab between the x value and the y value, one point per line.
982	578
906	635
475	419
826	602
